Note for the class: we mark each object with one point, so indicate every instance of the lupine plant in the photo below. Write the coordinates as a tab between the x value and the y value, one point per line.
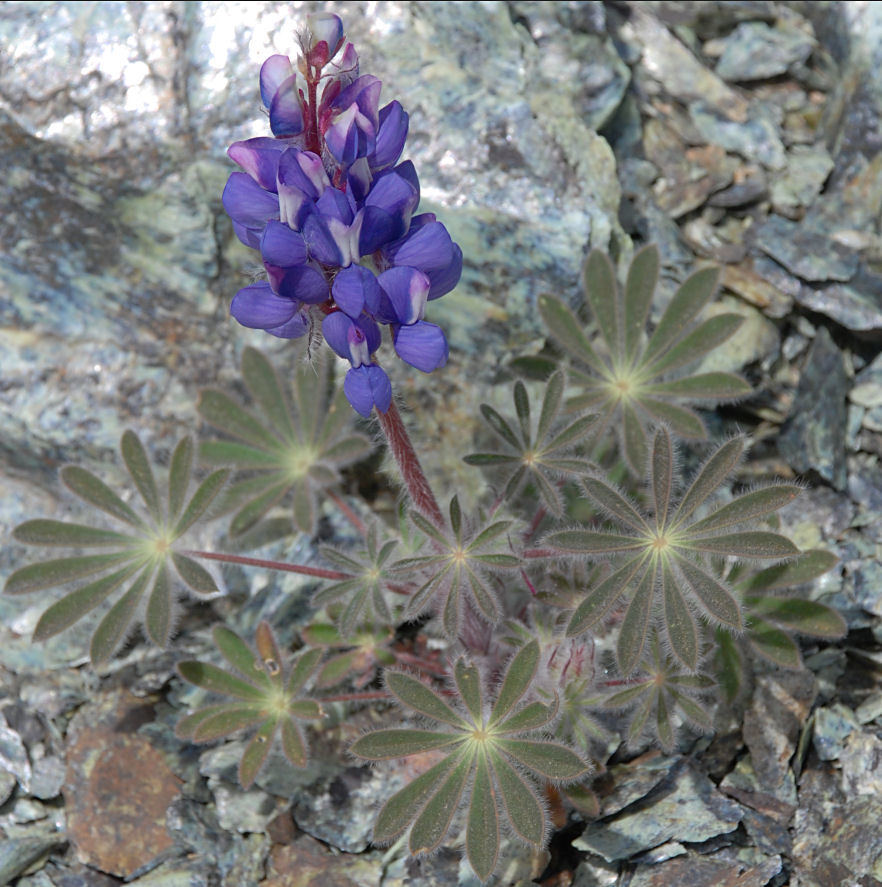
577	601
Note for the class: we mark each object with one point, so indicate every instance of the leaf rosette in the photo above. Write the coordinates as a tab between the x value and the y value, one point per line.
140	562
660	694
290	448
633	381
264	700
540	456
664	561
460	568
488	753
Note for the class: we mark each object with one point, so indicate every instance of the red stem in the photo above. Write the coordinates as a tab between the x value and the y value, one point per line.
312	131
353	518
270	565
535	553
354	697
411	471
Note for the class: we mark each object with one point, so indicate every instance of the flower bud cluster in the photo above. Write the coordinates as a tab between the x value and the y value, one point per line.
332	212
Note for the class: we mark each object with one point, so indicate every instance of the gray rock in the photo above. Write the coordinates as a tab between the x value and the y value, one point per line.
813	438
755	51
807	253
686	806
14	756
832	726
801	181
19	854
757	138
776	715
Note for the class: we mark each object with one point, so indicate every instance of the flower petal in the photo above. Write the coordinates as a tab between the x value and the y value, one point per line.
356	289
429	248
323	28
322	244
281	246
388	209
249	236
258	307
422	345
301	181
259	158
368	386
247	203
335	329
285	114
305	284
273	73
391	136
297	326
407	290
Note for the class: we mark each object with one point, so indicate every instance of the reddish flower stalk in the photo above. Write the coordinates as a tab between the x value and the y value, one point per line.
351	516
318	572
409	465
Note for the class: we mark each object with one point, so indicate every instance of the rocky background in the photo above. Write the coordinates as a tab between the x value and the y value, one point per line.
743	133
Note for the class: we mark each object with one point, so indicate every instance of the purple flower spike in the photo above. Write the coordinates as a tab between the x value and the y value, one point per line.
422	345
331	210
367	387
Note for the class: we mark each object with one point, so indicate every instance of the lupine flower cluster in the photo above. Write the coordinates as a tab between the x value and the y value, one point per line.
331	210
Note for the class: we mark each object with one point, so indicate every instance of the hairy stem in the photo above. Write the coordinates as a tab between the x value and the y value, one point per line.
351	516
354	697
283	567
411	471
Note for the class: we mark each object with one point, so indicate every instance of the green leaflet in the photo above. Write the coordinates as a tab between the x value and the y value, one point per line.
482	828
404	806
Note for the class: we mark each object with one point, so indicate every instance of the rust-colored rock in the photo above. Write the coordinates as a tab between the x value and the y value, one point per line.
117	790
307	862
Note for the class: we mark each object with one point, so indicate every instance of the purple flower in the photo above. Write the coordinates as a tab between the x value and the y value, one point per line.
331	211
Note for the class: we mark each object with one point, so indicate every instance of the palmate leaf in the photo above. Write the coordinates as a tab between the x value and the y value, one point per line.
292	446
458	573
135	564
484	771
624	374
363	653
658	689
773	617
364	595
541	457
268	698
661	562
